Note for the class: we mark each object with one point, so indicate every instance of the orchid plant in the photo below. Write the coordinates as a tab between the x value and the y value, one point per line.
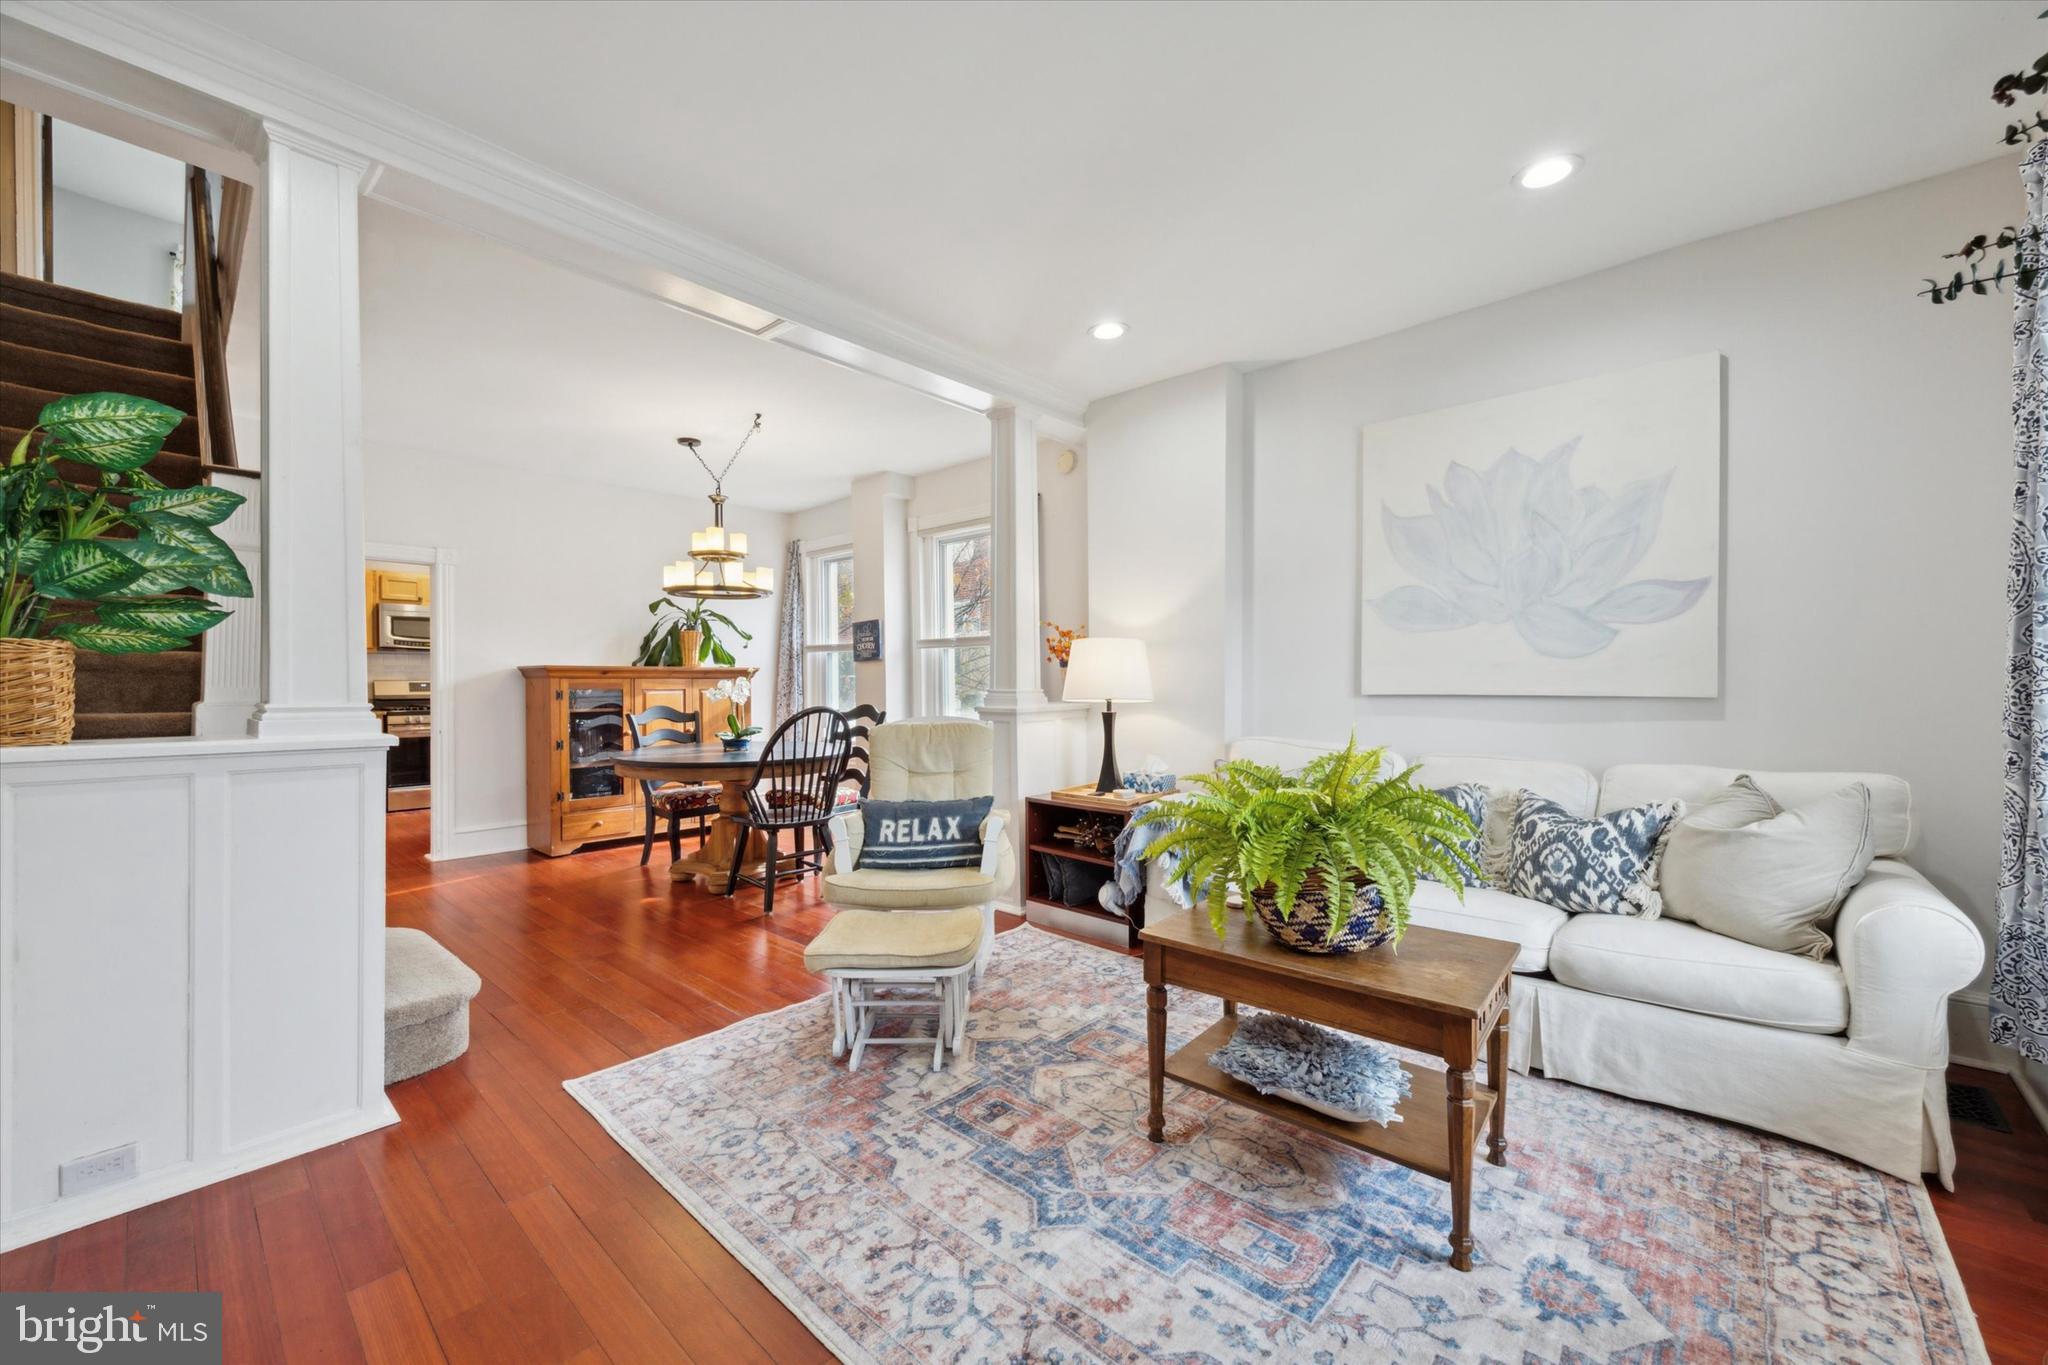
738	691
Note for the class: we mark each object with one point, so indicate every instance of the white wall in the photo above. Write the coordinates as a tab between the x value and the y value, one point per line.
1166	557
550	570
1868	506
113	251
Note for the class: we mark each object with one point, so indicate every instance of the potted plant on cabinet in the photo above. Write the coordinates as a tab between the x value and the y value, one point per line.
685	632
99	566
1327	858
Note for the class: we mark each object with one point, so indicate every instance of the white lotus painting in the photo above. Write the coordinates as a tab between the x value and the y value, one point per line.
1565	541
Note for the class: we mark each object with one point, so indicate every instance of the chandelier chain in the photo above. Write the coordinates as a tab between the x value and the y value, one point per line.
718	478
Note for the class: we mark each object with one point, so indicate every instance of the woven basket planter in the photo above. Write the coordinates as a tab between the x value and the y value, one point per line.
1307	930
37	691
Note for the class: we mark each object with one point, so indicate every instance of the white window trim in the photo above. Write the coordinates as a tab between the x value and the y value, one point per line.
930	685
816	555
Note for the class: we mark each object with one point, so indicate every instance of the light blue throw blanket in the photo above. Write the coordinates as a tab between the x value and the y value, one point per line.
1127	879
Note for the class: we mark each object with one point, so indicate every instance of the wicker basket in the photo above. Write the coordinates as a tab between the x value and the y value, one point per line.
37	691
1307	930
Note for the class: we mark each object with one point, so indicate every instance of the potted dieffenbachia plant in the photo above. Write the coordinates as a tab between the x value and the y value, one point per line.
1327	857
99	563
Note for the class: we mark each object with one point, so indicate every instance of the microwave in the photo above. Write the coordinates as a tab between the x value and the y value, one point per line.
404	625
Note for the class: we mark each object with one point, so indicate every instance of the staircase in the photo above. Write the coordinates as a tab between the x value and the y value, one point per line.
55	340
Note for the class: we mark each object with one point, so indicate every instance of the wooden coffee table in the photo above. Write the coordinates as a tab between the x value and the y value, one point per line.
1440	993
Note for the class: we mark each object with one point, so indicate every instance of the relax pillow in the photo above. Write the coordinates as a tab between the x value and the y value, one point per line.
1742	866
922	836
1470	798
1603	866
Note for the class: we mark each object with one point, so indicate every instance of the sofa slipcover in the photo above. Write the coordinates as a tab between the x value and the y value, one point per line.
1486	913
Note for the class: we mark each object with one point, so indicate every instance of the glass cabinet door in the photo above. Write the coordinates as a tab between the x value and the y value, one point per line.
594	722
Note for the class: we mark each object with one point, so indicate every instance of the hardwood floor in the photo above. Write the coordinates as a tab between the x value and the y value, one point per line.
498	1223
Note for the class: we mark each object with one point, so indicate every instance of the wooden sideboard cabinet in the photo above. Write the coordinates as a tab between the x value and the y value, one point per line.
576	719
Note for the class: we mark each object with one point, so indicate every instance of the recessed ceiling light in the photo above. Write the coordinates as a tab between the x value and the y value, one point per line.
1541	175
1107	331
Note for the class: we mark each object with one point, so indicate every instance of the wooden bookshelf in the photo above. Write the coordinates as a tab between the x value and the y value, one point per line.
1097	820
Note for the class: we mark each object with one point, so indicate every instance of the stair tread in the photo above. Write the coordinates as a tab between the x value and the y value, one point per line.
173	661
64	372
173	469
131	724
65	300
72	336
20	405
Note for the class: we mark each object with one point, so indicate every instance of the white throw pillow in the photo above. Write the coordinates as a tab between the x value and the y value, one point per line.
1740	865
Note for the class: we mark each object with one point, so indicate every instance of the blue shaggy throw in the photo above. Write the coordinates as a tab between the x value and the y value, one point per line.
1338	1074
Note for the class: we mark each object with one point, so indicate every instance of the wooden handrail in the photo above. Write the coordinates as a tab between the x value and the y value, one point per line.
216	414
237	209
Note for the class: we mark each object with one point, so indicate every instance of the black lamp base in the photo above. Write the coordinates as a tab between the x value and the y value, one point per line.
1109	779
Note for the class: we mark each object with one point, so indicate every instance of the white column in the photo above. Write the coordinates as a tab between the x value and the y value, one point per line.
1038	742
315	679
1013	516
881	590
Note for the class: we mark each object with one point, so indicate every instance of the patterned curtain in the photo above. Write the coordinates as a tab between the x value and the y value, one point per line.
2019	981
789	637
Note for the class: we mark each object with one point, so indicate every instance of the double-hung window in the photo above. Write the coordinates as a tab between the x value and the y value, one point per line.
955	601
828	633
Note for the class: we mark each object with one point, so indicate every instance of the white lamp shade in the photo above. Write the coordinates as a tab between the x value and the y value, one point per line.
1103	668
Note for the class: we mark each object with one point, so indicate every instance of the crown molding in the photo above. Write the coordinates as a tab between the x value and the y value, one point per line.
267	85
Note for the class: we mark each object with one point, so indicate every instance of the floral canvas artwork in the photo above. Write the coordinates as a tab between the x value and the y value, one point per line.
1564	541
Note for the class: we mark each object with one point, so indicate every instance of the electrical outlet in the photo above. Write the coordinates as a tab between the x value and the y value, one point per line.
110	1167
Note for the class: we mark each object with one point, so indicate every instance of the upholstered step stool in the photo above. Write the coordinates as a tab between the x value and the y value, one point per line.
427	991
904	962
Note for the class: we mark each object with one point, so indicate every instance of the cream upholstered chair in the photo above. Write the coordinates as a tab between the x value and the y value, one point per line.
927	760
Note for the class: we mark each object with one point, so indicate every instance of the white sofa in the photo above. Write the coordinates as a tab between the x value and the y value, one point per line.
1847	1053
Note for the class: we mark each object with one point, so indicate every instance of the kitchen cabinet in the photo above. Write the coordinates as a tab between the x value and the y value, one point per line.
392	585
576	719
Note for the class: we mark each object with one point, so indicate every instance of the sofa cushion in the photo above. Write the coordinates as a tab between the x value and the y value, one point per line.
1891	799
1291	755
1743	866
1665	962
1486	913
1573	787
882	889
872	940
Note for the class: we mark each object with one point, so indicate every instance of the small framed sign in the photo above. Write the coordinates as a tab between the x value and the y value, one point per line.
867	641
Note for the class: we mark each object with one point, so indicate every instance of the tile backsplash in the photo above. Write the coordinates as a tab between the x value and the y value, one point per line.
408	665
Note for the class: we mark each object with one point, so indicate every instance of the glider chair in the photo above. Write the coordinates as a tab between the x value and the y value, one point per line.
927	760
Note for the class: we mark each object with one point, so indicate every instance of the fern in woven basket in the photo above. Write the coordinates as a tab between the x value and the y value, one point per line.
1335	827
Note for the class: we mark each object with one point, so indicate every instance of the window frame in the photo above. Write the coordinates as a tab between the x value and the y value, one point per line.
818	615
931	678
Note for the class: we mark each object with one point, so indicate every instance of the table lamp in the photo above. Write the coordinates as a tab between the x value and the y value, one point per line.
1108	670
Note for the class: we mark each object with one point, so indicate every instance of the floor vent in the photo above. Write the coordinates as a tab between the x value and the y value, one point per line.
1973	1104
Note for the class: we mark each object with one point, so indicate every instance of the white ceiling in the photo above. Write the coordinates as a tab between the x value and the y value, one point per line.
473	348
1238	182
116	172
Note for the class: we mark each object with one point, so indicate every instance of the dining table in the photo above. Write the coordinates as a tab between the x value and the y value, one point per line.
734	770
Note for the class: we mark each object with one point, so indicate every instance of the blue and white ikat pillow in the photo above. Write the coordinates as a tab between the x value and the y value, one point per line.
922	836
1470	798
1603	866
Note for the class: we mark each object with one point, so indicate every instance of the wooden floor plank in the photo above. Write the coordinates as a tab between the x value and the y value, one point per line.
626	1327
312	1307
392	1324
499	1222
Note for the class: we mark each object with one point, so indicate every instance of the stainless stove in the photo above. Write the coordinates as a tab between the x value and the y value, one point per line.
405	710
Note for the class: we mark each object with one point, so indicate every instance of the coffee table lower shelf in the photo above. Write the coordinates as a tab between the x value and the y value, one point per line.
1420	1141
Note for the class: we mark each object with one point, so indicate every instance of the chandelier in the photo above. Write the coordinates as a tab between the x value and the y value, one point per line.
717	566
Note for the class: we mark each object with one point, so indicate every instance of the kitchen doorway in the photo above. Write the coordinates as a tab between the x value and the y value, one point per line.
409	597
